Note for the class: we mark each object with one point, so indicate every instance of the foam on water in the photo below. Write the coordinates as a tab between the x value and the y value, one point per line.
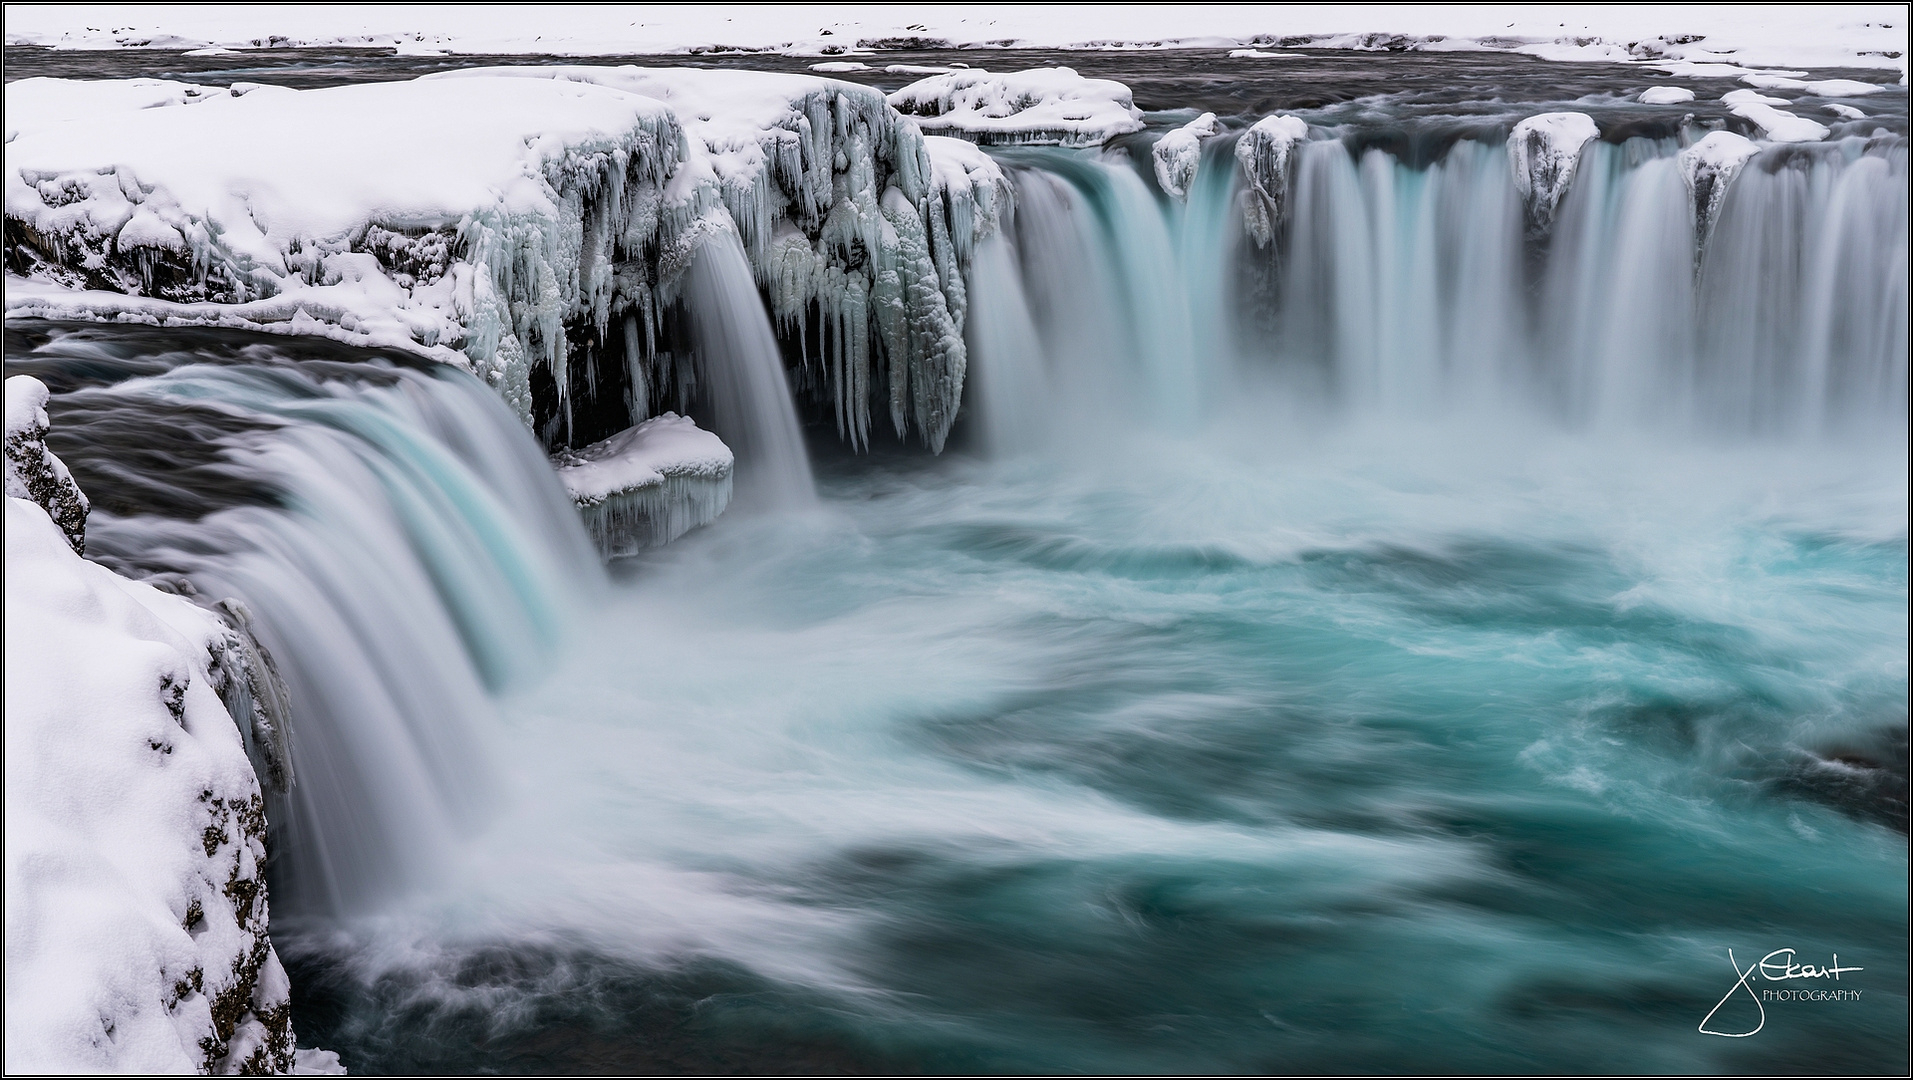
1189	759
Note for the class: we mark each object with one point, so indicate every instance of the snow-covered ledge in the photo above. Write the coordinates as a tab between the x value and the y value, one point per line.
648	485
136	912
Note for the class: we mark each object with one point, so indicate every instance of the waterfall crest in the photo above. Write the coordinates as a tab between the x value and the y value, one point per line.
396	533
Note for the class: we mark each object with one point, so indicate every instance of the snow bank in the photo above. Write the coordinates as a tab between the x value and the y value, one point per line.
1178	155
43	102
1709	167
1666	95
648	485
136	910
1833	35
509	219
1266	154
1544	152
1040	106
36	473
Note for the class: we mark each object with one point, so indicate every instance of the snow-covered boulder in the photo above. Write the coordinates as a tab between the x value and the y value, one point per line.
1777	125
1178	155
1038	107
1544	152
648	485
136	913
1666	95
1709	166
35	473
1266	155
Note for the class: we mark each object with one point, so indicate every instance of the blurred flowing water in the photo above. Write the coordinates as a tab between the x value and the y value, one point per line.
1412	647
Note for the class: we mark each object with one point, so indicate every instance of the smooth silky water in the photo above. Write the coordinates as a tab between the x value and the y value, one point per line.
1412	647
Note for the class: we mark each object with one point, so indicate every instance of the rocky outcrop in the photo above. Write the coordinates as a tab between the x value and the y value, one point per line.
34	473
648	485
1266	154
1544	151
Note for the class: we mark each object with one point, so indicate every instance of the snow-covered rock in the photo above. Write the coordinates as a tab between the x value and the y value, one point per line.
35	473
1041	106
1544	152
1779	125
1266	154
543	216
1743	97
1709	167
648	485
1845	111
1666	95
1178	155
1816	87
136	912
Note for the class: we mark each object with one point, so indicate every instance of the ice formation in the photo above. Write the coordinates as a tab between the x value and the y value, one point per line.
1178	155
1708	167
36	473
1544	151
1266	154
542	223
1038	107
135	849
648	485
1666	95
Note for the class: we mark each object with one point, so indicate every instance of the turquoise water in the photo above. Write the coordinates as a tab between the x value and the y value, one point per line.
1294	747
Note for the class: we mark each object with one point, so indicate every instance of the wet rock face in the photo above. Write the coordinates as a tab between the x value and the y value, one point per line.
33	471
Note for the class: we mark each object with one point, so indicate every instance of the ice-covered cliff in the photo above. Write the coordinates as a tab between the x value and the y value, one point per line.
532	223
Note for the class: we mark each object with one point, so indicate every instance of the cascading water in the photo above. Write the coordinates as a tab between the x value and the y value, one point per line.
1421	638
401	543
750	400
